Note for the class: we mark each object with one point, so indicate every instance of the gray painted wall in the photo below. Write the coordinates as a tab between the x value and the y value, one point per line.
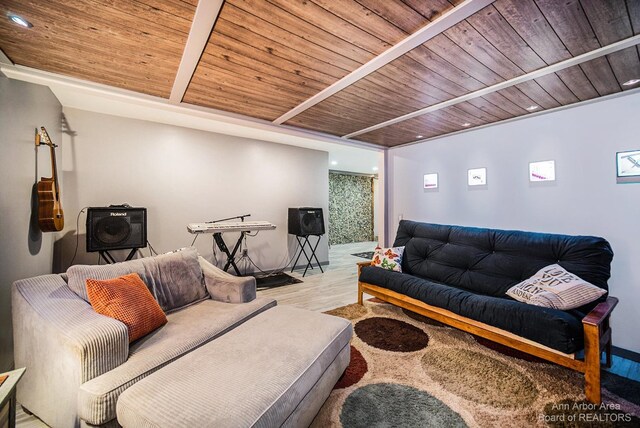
25	251
183	176
584	199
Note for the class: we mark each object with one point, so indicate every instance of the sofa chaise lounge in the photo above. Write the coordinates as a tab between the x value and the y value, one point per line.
278	364
459	276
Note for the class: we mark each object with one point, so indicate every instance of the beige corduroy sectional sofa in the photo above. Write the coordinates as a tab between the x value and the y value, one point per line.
224	358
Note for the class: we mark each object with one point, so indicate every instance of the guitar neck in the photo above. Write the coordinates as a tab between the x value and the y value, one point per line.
54	166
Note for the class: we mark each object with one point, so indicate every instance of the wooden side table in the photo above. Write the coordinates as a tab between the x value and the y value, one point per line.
8	398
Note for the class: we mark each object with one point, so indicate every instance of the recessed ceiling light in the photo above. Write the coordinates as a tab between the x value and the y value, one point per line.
631	82
375	168
19	20
532	108
466	124
334	163
419	136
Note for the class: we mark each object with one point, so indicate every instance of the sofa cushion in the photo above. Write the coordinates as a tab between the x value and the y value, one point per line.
490	261
284	353
174	279
185	330
554	287
554	328
128	300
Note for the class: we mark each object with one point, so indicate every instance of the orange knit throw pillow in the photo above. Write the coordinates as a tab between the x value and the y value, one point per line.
127	299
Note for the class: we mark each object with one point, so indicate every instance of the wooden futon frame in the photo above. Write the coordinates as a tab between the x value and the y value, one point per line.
597	333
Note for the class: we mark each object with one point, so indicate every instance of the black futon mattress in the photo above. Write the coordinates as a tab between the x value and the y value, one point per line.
468	270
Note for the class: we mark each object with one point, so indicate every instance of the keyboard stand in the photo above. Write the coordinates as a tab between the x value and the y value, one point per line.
302	244
217	237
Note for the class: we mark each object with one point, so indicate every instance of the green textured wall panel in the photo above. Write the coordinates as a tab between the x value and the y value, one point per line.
350	208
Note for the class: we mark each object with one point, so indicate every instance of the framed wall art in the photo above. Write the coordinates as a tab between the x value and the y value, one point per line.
542	171
628	166
431	181
477	177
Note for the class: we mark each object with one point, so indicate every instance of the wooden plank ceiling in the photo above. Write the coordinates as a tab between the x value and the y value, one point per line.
130	44
502	41
265	57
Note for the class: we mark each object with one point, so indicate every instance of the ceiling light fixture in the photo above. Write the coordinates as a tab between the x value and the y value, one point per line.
466	124
631	82
334	163
419	136
19	20
375	168
532	108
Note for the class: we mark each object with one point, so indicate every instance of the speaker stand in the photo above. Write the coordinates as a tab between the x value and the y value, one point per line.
313	248
109	258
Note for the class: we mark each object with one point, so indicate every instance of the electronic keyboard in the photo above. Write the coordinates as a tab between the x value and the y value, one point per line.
230	226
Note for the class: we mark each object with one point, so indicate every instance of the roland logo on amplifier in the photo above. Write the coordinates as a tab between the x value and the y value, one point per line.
120	214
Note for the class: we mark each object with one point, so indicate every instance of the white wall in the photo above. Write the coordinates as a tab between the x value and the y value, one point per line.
381	199
376	207
584	199
25	251
183	176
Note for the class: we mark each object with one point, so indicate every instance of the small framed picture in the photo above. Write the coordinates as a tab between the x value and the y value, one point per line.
477	177
542	171
431	181
628	166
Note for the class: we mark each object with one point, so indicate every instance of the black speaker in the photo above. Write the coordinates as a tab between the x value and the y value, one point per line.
116	228
306	221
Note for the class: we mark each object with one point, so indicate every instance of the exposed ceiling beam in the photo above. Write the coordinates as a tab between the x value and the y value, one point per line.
203	21
437	26
588	56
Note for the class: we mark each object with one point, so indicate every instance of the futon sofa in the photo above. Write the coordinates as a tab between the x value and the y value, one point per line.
459	276
81	366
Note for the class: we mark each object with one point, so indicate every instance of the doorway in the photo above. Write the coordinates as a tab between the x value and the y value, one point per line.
351	207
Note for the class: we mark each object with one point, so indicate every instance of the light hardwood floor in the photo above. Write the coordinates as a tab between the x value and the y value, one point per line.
337	286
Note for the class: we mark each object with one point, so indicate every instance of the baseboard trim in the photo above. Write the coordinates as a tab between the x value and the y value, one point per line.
270	271
625	353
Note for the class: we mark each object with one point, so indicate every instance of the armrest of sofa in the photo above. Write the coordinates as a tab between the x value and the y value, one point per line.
600	313
597	333
63	343
224	287
361	265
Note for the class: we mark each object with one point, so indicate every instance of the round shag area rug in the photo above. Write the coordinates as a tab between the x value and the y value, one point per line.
409	371
382	404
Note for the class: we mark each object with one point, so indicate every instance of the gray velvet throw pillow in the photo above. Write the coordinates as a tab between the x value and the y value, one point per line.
174	279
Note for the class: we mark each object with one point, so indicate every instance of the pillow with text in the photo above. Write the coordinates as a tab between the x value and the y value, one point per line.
555	287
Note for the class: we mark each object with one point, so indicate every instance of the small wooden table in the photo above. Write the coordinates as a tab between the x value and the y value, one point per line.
8	398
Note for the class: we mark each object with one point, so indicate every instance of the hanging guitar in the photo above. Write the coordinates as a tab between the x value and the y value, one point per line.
50	215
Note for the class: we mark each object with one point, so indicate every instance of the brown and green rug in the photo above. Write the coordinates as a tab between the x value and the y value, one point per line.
409	371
